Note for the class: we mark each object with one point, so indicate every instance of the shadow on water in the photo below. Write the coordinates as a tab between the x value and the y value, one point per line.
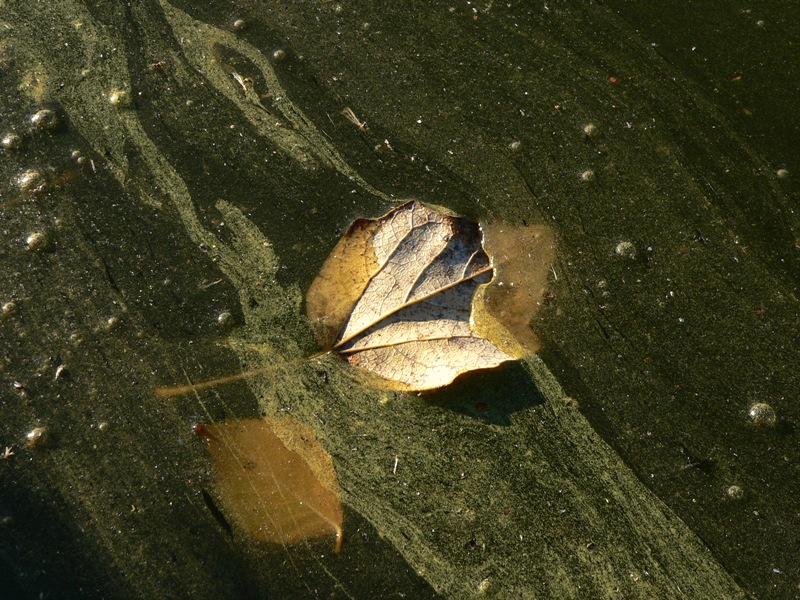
491	396
43	552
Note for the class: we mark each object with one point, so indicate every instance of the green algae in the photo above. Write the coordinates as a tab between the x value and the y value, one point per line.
524	499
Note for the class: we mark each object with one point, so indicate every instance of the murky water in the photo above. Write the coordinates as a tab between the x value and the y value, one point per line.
172	179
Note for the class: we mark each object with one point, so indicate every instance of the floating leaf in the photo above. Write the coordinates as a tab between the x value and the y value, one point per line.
396	298
274	479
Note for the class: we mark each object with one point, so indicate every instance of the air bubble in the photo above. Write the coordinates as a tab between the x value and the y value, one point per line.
37	437
279	55
119	98
587	175
37	241
591	130
45	119
31	181
239	24
11	141
762	413
626	249
734	492
515	146
9	309
782	174
224	318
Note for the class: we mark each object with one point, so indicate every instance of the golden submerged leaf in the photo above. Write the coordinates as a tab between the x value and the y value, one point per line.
274	480
502	311
396	298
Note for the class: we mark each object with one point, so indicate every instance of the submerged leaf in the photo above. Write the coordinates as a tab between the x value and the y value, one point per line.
274	479
522	257
395	297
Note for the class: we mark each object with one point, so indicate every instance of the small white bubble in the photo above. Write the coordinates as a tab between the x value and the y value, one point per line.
31	181
591	130
45	119
734	492
587	175
224	318
762	413
38	436
11	141
37	241
626	249
515	146
783	173
121	98
239	24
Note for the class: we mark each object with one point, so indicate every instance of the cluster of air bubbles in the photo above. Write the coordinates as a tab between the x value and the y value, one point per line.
42	120
78	157
36	127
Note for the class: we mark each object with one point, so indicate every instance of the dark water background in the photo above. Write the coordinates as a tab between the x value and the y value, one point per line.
145	277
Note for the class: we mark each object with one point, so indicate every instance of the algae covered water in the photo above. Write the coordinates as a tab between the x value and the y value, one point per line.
173	178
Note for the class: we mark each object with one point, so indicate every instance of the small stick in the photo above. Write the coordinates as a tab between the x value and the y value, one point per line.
351	116
179	390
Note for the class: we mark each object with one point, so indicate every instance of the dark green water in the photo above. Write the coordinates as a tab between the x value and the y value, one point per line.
179	226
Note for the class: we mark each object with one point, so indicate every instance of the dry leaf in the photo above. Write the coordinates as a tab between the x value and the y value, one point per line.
407	297
274	479
395	297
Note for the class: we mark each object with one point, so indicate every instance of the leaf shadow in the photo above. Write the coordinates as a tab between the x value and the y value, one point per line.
489	395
